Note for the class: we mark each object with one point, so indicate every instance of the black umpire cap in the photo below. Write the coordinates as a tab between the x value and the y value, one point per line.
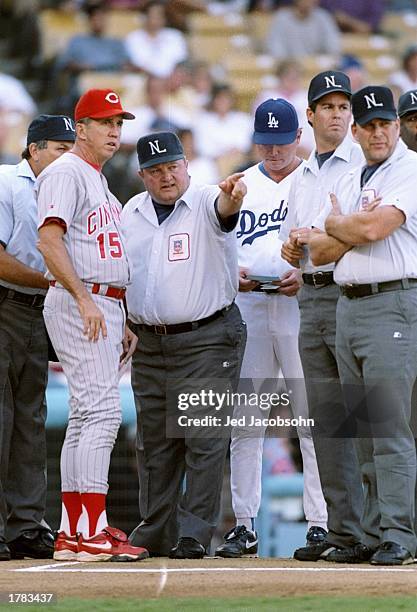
373	102
407	102
330	81
51	127
159	148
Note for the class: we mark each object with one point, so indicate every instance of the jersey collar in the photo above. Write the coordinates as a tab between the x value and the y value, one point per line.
24	169
343	151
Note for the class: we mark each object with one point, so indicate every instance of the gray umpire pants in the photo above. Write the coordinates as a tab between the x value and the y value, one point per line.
160	363
377	357
335	449
23	378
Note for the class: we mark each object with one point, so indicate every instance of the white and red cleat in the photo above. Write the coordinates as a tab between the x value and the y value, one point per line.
110	544
66	547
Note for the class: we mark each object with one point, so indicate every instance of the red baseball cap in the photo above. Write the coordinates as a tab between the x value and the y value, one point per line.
100	103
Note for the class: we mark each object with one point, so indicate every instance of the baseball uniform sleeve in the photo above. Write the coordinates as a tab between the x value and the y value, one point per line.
290	220
6	212
57	195
402	190
320	221
209	195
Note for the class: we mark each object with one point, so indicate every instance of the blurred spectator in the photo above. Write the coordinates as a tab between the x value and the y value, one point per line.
178	11
5	156
353	67
402	5
156	49
14	97
201	82
406	78
303	29
201	169
290	87
222	130
180	91
93	51
358	16
158	113
265	6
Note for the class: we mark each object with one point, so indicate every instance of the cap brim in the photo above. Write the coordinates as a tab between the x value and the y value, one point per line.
405	111
110	113
331	90
65	137
161	160
376	114
270	138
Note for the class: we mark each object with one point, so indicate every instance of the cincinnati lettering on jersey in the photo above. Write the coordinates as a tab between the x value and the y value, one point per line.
102	216
254	227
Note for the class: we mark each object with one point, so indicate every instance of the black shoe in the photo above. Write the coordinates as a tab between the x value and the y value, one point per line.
4	552
315	535
35	544
314	552
390	553
238	542
187	548
351	554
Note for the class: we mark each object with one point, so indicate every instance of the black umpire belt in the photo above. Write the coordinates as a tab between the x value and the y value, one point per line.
319	279
358	291
179	328
34	301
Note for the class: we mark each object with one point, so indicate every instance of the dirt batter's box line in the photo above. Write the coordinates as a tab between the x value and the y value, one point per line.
187	570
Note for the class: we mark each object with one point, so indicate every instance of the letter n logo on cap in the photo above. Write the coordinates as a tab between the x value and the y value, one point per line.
68	124
155	147
112	97
370	101
330	81
272	121
413	96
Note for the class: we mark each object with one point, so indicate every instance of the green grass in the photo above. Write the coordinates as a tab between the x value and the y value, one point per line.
265	604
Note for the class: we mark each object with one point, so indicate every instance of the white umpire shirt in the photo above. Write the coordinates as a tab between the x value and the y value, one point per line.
394	257
309	193
184	269
19	219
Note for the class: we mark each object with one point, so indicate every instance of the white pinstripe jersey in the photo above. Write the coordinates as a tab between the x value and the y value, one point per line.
73	190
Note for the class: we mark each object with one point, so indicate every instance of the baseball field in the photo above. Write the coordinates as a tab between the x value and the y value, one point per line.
208	584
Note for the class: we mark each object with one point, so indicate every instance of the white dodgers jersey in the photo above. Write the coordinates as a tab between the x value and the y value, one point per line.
263	211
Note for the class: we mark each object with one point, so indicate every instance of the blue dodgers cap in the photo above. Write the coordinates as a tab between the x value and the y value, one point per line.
51	127
276	123
159	148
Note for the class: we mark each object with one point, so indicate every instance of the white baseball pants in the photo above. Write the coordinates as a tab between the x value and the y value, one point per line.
91	369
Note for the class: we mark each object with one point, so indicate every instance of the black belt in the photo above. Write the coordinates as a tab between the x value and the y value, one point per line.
179	328
358	291
319	279
34	301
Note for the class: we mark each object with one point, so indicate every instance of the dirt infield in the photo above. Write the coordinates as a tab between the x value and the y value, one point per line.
209	577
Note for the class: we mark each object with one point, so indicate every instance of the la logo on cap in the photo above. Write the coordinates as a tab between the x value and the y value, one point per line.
331	81
371	102
155	147
112	97
273	122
